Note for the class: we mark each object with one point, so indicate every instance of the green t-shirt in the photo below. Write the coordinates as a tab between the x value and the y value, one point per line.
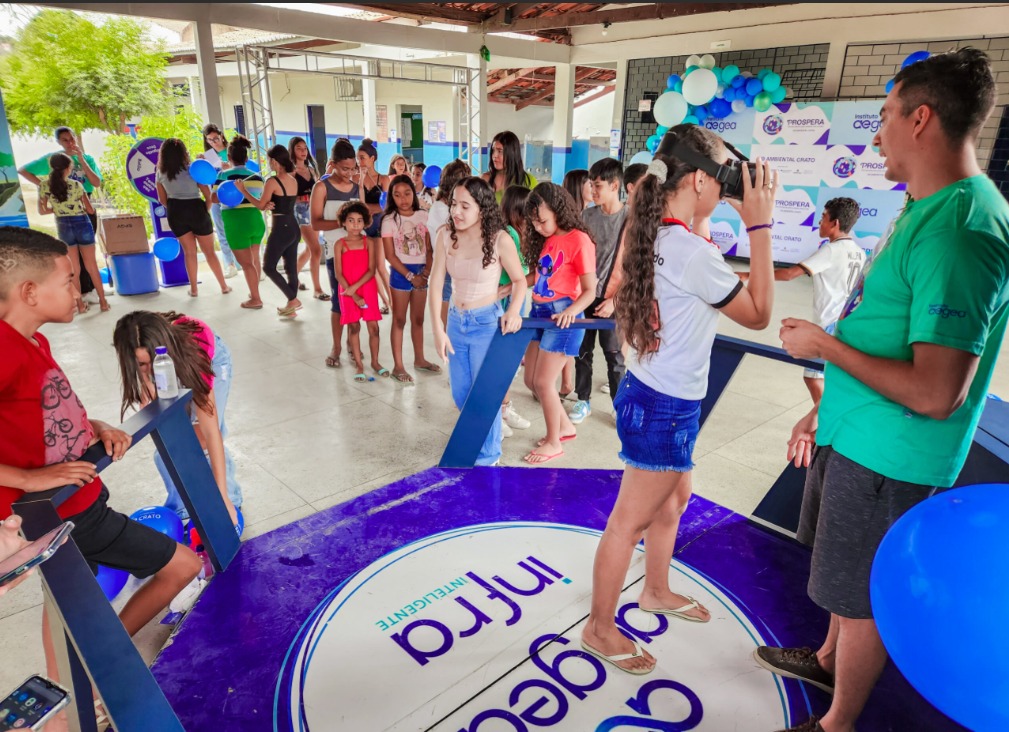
530	183
40	168
943	279
505	279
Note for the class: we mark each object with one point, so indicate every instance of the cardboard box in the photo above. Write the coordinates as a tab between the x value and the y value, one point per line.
123	234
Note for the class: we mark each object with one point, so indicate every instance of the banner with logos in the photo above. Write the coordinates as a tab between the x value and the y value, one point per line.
821	150
12	204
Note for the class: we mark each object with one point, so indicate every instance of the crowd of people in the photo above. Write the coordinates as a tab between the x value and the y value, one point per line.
470	252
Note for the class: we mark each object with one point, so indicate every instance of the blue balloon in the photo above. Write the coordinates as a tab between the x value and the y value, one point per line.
729	94
739	81
671	81
382	198
701	113
889	86
229	195
719	108
915	58
432	176
160	519
166	248
252	165
749	100
652	143
921	584
203	172
241	521
754	87
111	580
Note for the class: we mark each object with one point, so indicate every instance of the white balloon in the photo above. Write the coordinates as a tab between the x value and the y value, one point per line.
644	157
720	91
670	109
707	61
700	87
738	105
694	60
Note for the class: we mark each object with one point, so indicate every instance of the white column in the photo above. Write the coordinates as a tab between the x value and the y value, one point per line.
210	95
370	124
564	101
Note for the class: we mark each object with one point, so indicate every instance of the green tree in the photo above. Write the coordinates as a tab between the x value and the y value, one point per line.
65	70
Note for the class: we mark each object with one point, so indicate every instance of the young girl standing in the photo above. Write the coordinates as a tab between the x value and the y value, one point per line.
63	196
279	196
215	150
373	185
354	268
398	166
408	250
506	167
438	216
577	183
203	364
188	205
513	206
306	172
424	194
474	249
243	225
330	194
675	284
561	250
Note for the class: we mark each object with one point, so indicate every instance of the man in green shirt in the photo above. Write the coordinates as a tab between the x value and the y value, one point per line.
85	169
907	370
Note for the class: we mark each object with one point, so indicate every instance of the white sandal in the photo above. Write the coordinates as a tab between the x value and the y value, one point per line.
620	657
681	612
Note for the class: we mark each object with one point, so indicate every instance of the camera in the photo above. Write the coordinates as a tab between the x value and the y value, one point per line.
729	173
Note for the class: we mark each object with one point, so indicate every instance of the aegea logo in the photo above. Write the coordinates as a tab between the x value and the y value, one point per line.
866	122
945	311
719	125
868	212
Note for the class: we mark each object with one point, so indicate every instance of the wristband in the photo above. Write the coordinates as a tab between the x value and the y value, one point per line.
758	226
409	276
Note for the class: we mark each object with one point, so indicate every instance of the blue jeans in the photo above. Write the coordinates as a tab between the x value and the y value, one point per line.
226	254
471	332
222	387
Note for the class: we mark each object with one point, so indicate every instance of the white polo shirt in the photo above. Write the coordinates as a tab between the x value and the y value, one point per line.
692	281
834	268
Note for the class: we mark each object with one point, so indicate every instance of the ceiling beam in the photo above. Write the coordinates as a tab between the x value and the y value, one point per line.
652	11
549	90
516	10
414	11
592	97
510	78
316	25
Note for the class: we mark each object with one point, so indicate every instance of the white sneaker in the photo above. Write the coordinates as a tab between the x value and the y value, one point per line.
91	297
187	597
230	271
605	388
506	431
513	419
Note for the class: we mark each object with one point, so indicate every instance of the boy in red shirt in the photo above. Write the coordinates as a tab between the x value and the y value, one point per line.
44	430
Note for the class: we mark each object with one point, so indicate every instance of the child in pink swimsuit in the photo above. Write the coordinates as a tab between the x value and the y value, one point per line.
354	267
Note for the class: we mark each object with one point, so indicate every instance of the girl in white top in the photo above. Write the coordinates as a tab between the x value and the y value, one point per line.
408	250
674	285
473	248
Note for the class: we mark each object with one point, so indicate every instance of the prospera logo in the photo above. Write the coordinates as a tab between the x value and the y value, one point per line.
845	167
869	165
480	630
785	203
868	122
805	122
945	311
773	124
719	125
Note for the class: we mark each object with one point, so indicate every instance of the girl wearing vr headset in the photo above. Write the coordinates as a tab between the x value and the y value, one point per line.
674	284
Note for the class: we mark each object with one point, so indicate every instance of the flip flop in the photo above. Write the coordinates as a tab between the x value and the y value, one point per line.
360	378
287	312
620	657
680	612
433	368
383	372
322	296
565	438
402	378
333	362
542	458
248	306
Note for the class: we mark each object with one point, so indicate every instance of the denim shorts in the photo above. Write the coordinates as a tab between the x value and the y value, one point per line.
374	231
446	289
303	213
334	286
401	283
556	340
75	231
657	431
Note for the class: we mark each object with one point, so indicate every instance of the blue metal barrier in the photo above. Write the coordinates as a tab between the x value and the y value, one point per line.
91	643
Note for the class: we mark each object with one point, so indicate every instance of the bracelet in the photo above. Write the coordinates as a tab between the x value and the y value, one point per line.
758	226
409	276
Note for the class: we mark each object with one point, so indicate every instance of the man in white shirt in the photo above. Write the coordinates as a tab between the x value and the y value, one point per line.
834	268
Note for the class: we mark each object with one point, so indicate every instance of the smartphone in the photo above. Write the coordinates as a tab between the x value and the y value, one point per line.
32	704
34	554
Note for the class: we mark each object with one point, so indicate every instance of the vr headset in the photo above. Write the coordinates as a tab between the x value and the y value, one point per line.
729	174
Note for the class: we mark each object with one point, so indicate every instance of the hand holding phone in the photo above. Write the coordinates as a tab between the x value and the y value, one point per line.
16	565
32	704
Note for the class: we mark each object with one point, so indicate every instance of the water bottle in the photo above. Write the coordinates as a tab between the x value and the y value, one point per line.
165	379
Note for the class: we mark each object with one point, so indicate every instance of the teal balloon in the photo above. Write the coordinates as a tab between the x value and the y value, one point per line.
661	130
689	71
762	73
779	94
691	120
652	143
729	73
229	195
762	102
921	583
754	87
678	87
717	72
771	82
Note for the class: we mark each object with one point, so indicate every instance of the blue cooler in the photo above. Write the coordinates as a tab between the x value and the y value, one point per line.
134	274
174	273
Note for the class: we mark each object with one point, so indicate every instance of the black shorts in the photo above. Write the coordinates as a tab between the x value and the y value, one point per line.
846	511
189	215
107	537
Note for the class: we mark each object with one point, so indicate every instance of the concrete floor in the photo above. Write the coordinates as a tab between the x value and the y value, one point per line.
306	437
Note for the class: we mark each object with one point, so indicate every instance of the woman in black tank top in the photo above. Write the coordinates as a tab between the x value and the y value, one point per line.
305	175
373	184
279	196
